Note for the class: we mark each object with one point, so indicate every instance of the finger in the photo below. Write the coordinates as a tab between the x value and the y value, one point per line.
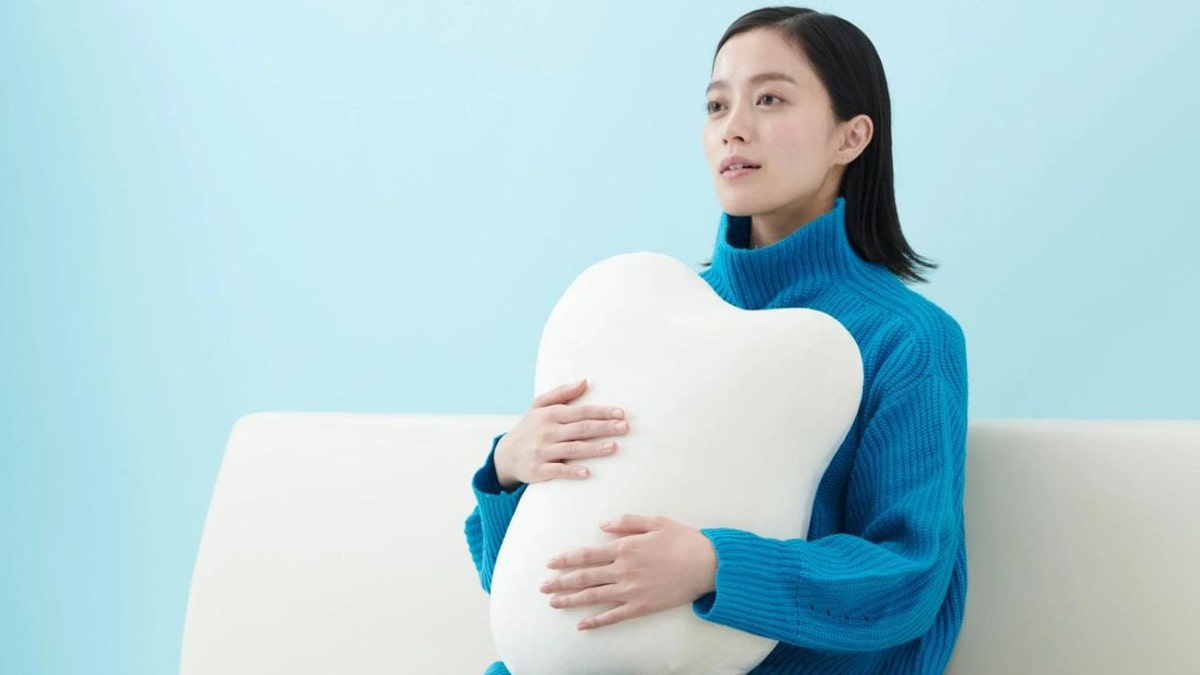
630	524
583	557
584	450
590	596
580	579
574	413
552	470
585	429
614	615
560	394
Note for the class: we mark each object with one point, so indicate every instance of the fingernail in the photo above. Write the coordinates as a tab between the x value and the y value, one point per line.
618	413
607	523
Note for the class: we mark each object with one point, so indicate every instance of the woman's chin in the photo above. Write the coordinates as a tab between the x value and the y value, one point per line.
738	206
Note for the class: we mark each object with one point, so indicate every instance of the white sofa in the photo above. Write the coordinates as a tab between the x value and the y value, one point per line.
334	544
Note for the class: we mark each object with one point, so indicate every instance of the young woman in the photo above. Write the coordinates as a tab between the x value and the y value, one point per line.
798	139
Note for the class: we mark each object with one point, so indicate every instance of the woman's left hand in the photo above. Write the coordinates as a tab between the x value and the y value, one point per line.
656	564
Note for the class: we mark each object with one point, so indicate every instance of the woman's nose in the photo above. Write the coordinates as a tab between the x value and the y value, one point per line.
736	128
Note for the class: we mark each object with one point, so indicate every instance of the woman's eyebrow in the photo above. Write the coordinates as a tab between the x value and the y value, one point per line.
761	77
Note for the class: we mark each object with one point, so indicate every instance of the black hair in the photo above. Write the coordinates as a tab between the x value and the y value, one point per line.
847	64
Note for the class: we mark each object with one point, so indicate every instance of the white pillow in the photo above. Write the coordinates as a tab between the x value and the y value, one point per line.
734	416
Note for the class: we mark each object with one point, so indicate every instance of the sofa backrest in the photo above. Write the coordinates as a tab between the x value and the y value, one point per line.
334	543
1083	548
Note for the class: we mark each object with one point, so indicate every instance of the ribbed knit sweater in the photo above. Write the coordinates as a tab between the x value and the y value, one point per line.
879	583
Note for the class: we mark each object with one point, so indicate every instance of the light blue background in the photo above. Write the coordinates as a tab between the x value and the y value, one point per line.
210	209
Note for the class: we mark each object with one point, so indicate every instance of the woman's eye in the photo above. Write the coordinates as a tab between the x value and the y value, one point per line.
711	106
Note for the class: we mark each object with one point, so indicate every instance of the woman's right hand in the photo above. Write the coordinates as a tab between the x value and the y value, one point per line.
551	432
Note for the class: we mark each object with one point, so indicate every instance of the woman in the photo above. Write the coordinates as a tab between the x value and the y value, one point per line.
799	142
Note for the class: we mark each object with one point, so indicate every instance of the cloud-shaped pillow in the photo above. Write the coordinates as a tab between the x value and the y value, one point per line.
734	416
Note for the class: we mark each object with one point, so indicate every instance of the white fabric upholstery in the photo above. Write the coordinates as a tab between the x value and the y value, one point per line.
734	416
1082	548
321	553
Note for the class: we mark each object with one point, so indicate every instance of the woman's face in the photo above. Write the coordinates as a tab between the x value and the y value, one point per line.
767	104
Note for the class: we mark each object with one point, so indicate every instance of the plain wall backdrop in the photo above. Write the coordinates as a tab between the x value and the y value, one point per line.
211	209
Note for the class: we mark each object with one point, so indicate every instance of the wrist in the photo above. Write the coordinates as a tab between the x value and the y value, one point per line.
506	481
709	558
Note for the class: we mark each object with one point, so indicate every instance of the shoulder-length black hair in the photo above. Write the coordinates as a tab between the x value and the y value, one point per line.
847	64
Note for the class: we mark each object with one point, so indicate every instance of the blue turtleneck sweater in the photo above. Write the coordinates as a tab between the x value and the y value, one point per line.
879	584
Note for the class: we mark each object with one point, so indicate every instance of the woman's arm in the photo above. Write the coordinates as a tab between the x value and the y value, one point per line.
882	582
494	508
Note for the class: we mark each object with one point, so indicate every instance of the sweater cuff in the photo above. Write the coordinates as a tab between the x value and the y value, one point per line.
753	583
486	482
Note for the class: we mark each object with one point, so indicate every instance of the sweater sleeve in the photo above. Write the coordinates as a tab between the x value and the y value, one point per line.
881	581
494	508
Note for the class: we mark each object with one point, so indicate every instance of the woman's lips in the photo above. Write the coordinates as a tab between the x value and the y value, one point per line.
737	173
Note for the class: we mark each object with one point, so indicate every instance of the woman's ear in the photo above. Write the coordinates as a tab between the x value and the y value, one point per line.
856	135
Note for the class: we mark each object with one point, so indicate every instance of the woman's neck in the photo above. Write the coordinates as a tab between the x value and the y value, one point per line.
768	228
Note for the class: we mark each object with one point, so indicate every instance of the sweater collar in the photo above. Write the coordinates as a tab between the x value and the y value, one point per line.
813	257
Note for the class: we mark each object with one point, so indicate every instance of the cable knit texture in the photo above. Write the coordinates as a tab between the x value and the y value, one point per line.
879	584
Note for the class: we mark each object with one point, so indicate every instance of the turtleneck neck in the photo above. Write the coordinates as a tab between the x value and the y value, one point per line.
813	257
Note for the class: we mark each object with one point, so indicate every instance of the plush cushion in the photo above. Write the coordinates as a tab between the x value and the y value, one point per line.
734	416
